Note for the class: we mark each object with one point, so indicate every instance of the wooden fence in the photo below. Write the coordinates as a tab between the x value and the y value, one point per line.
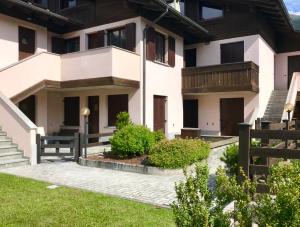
278	142
59	146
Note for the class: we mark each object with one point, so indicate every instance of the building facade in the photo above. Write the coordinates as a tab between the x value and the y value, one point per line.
171	65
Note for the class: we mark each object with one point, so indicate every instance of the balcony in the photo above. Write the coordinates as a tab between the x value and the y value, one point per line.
102	62
221	78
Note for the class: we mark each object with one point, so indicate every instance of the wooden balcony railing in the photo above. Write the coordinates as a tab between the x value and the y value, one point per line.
221	78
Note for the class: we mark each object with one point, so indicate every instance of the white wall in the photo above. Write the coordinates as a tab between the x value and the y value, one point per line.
163	80
281	69
9	46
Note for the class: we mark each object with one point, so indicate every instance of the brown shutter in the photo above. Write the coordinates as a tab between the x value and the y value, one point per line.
58	45
171	51
130	32
96	40
150	55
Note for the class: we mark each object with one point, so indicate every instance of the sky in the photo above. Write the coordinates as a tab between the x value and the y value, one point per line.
293	6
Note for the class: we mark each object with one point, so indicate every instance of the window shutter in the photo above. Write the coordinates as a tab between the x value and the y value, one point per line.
130	32
96	40
58	45
171	51
150	55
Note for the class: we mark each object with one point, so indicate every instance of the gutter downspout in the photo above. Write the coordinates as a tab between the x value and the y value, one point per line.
144	59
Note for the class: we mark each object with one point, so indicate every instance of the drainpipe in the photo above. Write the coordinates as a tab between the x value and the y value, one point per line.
144	59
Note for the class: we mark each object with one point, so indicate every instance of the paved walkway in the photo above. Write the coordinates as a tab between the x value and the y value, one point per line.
153	189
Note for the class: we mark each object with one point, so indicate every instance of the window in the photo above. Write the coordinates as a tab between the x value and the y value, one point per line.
72	45
232	52
116	104
117	37
96	40
67	4
208	13
160	48
190	57
43	3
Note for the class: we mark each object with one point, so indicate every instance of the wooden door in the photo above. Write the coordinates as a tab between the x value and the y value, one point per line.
232	52
26	42
159	109
293	66
93	104
71	111
190	113
232	113
28	107
190	57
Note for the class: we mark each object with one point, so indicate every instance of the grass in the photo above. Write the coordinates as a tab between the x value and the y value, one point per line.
26	202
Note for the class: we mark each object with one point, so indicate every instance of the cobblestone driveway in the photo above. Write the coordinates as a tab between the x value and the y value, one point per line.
158	190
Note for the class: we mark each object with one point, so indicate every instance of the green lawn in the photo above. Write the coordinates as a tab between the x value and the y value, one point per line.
25	202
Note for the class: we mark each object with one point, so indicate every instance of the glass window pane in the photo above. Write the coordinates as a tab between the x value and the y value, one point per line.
210	13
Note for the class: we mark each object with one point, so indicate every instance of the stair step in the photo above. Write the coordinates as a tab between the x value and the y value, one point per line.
11	156
5	142
3	133
13	163
8	148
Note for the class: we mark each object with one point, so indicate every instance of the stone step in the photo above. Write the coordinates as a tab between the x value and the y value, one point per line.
13	163
11	156
2	133
5	142
8	148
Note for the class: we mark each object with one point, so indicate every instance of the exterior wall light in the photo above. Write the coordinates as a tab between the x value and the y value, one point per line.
289	107
85	112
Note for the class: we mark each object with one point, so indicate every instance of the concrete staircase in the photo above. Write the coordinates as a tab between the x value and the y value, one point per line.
10	156
275	106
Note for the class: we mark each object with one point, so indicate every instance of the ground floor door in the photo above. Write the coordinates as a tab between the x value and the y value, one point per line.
159	108
232	113
190	113
293	66
28	107
71	111
93	104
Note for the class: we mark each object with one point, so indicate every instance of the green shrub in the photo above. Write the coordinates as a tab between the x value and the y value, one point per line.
123	120
178	153
279	207
132	140
159	136
231	159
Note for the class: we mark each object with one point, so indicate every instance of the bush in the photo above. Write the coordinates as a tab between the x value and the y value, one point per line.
132	140
231	159
280	207
123	120
178	153
159	136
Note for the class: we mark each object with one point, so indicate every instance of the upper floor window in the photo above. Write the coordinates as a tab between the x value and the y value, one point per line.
232	52
190	57
160	47
208	13
43	3
117	37
72	45
67	4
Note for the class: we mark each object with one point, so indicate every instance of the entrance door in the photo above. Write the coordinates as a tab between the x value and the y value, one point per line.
71	111
93	104
232	113
27	106
26	42
190	113
159	108
293	66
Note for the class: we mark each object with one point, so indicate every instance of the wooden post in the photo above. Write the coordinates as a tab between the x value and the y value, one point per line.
76	147
38	148
265	125
258	123
244	149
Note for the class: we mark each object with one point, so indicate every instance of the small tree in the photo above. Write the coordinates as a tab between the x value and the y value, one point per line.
123	120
